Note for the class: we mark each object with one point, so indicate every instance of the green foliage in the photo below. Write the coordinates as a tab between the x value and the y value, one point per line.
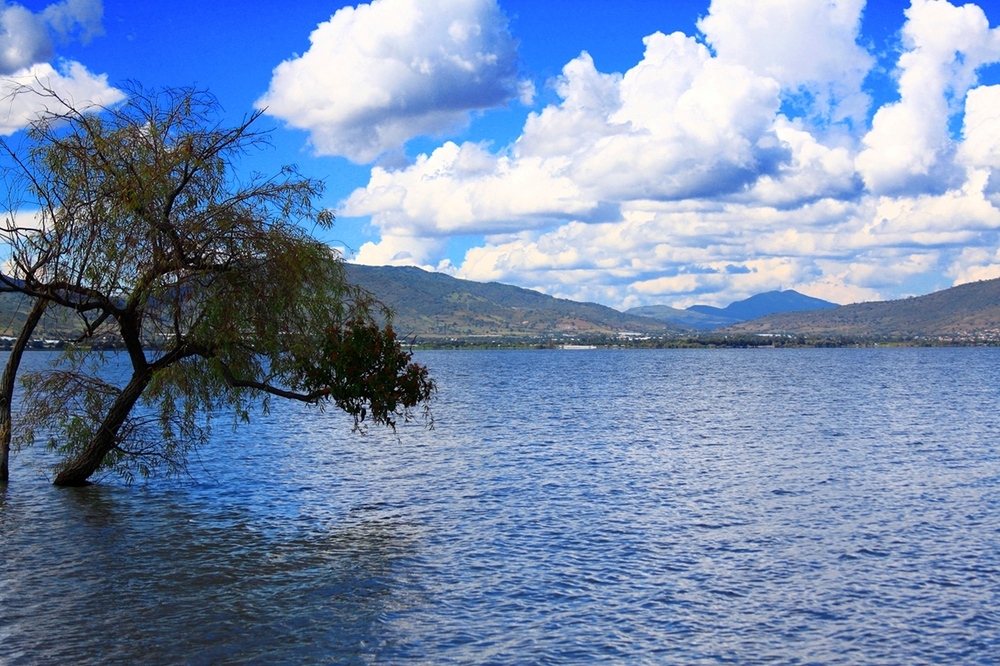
367	373
65	405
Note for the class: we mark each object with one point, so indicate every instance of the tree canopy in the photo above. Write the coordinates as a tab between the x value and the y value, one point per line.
136	219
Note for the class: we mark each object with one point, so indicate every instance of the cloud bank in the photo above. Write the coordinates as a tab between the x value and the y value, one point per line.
746	158
379	74
26	37
27	45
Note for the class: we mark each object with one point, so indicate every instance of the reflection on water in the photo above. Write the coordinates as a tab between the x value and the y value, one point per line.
795	506
112	575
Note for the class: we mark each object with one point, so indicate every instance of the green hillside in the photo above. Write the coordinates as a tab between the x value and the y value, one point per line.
55	325
967	312
434	305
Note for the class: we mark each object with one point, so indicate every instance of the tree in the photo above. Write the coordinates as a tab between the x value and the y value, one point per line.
8	379
211	284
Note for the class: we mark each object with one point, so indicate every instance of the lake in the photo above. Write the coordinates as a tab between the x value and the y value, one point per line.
790	506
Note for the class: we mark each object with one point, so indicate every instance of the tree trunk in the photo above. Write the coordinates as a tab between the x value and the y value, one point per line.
8	380
78	471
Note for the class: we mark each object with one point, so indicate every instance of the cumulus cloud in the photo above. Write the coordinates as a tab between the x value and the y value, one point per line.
692	126
808	46
26	38
678	254
909	146
20	103
676	126
379	74
679	124
981	128
813	171
78	19
27	43
403	250
466	189
687	253
976	263
713	170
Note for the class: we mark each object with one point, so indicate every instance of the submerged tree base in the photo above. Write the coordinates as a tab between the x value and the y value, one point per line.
74	483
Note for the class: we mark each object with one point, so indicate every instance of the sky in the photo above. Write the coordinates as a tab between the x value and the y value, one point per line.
627	152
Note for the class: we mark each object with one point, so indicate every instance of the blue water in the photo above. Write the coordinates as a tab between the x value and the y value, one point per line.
664	507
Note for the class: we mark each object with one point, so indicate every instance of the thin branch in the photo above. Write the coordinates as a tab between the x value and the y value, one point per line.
231	379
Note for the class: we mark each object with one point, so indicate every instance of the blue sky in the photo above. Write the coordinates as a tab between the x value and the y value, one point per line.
631	152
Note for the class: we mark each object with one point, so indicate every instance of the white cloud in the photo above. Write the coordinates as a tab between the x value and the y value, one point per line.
844	252
466	189
20	104
977	263
379	74
675	126
655	254
692	126
678	124
981	128
963	210
589	99
883	268
807	46
26	46
79	19
402	251
813	170
908	146
684	253
26	37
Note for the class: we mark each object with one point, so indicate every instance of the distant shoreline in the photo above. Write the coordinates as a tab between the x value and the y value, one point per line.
768	341
741	342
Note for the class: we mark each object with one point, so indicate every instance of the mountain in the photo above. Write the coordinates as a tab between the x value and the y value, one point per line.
56	323
764	304
690	317
435	305
431	306
969	311
706	317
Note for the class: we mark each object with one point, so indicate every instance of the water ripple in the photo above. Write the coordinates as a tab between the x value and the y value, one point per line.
792	507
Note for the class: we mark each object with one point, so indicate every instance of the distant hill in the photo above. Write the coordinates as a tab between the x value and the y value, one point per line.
767	303
435	305
430	306
706	317
56	323
691	318
969	311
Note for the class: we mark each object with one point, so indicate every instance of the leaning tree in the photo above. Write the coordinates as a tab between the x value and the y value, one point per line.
210	283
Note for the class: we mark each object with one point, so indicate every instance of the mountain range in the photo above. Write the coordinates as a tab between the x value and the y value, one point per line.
437	306
706	317
434	307
968	312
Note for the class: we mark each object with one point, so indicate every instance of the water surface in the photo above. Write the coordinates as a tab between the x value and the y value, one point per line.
722	506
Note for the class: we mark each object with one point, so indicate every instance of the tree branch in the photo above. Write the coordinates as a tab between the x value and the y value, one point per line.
231	379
